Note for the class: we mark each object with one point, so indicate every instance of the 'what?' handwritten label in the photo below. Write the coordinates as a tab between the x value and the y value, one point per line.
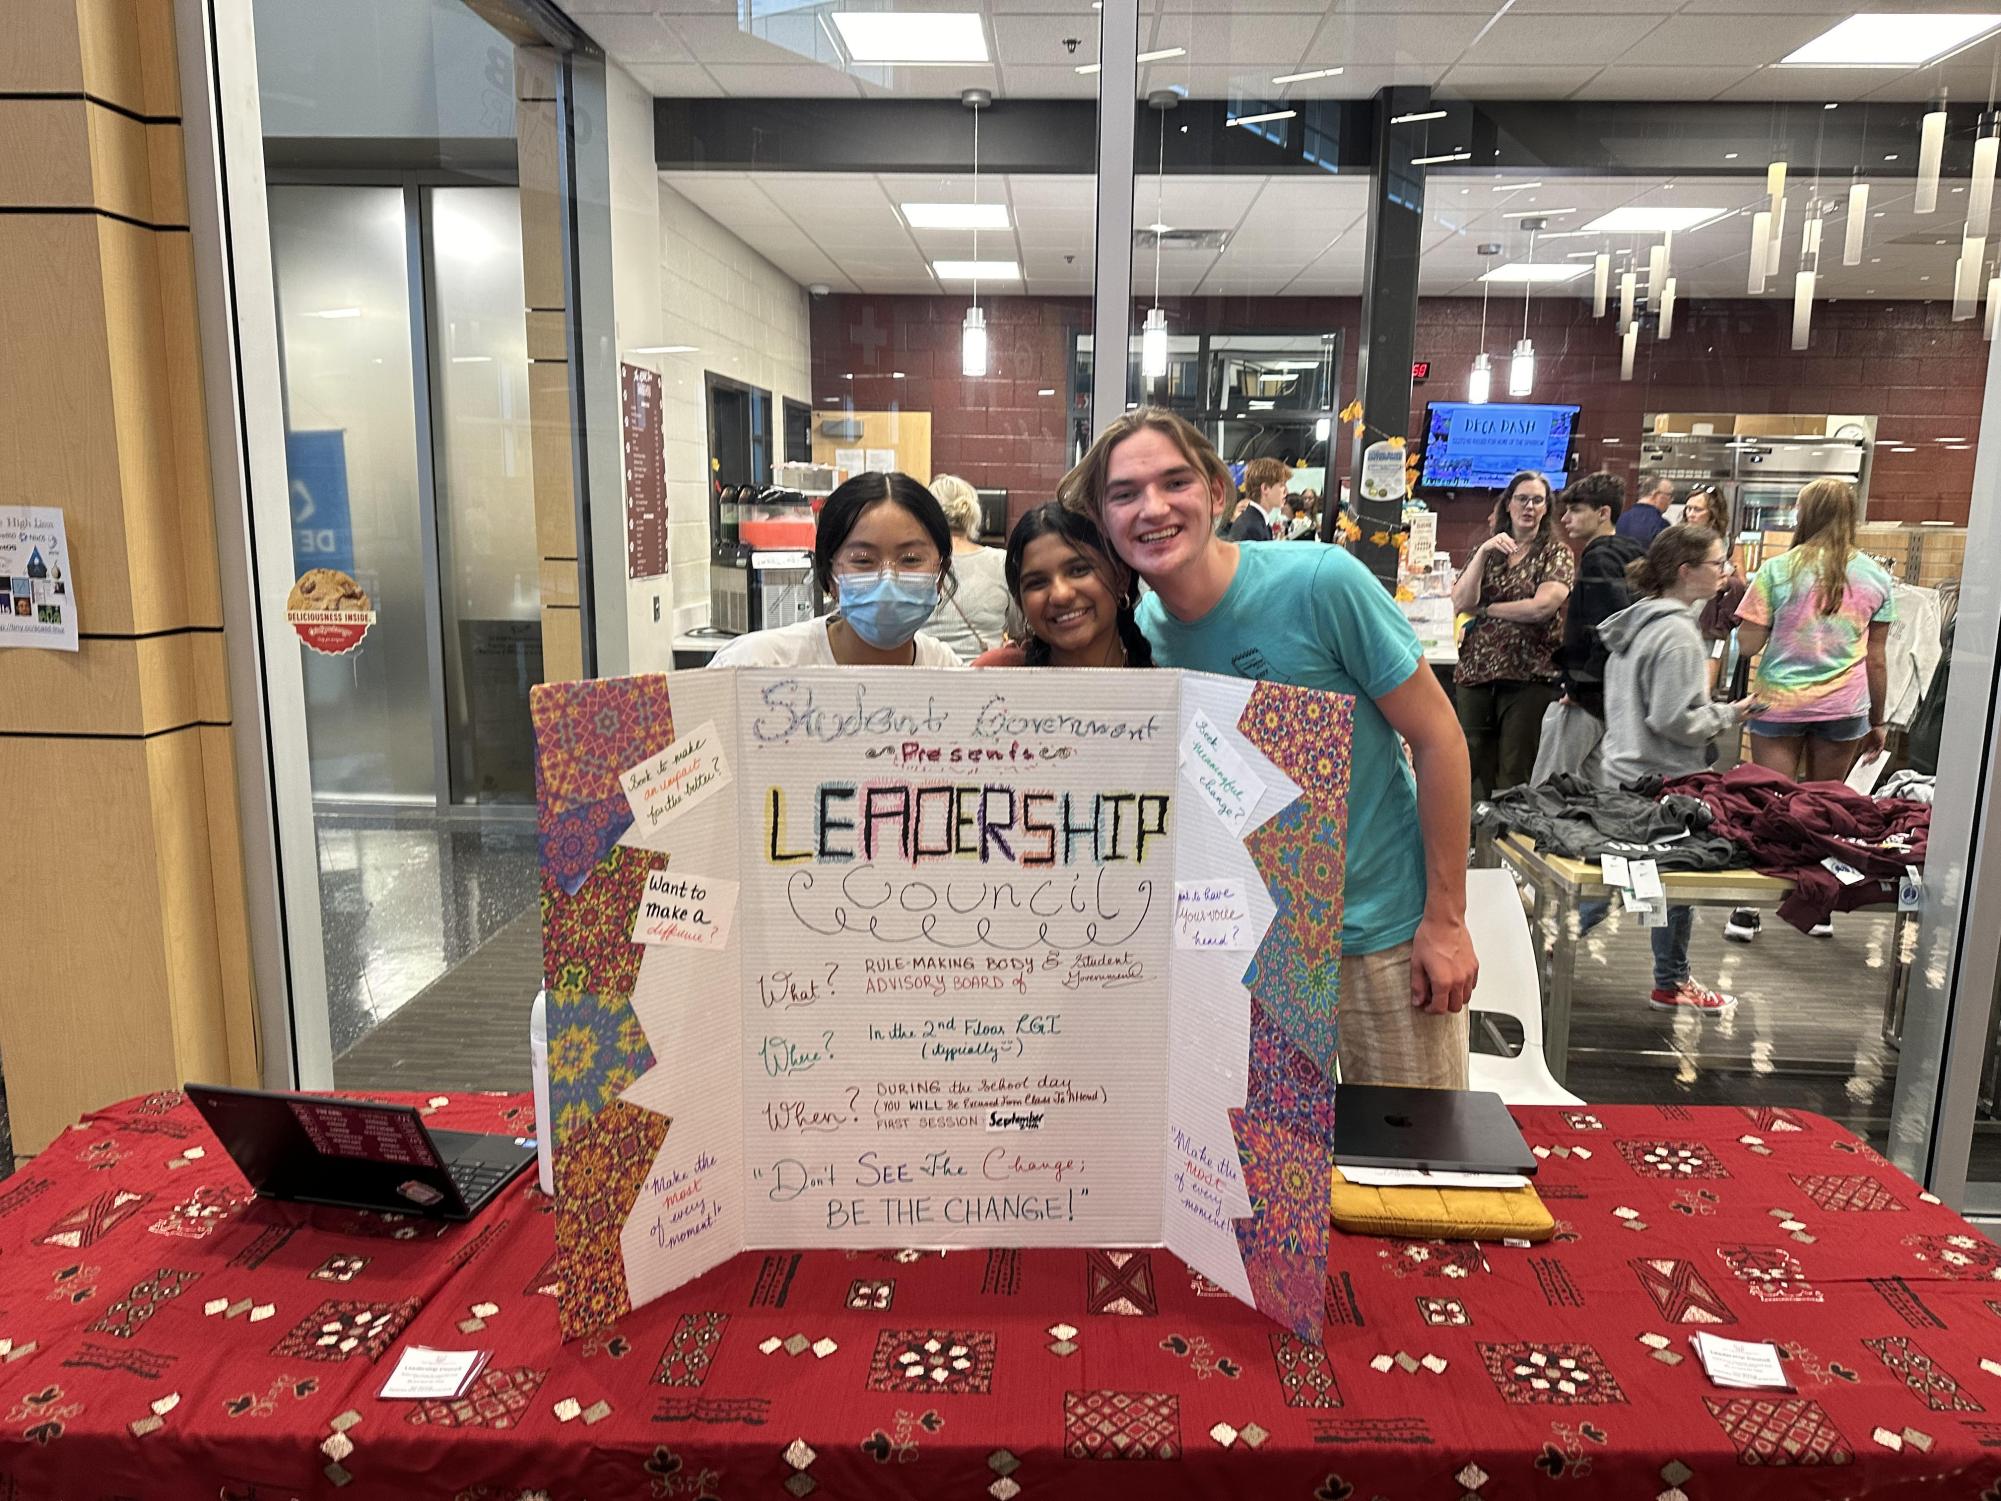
1220	774
680	908
1212	915
663	787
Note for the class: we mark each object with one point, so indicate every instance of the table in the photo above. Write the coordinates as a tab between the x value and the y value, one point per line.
1561	884
167	1337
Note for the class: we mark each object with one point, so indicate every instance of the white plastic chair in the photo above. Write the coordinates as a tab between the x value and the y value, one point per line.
1509	986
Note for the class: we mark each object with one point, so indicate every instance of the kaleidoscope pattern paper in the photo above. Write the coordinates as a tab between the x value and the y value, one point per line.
587	934
1300	997
596	1048
1287	1085
574	840
1301	851
1286	1173
599	1171
588	733
1306	734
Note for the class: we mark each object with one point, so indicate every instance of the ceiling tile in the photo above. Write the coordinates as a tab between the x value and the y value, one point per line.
1514	82
1791	84
719	39
1640	84
801	81
1352	40
1532	41
674	80
1735	38
1018	81
1037	41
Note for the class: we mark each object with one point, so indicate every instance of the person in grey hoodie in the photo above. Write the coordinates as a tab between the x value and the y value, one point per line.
1659	718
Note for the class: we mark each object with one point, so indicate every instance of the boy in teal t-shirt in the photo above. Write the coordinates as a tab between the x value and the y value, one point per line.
1313	616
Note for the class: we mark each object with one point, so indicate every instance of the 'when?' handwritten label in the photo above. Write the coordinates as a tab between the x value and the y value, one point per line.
663	787
680	908
1220	774
1212	915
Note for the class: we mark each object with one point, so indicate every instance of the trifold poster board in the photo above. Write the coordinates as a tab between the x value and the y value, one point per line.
912	958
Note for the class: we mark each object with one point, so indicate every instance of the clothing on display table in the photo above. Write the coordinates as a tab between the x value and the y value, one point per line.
1569	817
1912	652
1791	829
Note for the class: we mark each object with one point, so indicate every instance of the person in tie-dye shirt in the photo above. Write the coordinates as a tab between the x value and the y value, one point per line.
1821	614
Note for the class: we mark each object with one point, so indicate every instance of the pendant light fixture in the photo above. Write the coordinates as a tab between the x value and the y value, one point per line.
1980	192
1521	368
1931	155
1656	272
1667	309
1807	275
1153	333
1601	282
1628	292
1761	238
1480	384
1627	347
1966	279
1858	221
1775	185
973	336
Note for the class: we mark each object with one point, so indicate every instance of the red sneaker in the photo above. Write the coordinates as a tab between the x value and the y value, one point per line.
1689	996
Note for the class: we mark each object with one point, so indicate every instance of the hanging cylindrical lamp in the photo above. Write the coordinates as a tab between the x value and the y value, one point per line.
973	334
1628	285
1931	156
1980	192
1775	186
1153	344
1858	220
1628	346
973	343
1802	308
1521	368
1480	384
1601	282
1667	309
1656	272
1761	236
1966	279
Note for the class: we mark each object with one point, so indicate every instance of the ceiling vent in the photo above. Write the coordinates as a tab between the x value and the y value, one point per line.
1182	239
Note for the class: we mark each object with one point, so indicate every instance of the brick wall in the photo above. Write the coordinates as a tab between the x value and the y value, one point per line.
1907	363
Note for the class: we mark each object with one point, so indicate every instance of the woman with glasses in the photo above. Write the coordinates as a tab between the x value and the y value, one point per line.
883	553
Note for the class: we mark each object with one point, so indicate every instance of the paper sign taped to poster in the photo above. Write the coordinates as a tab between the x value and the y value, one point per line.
1224	778
680	908
661	788
37	591
946	959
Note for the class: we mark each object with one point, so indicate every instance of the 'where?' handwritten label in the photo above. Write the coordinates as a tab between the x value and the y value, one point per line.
665	786
1212	915
1220	774
680	908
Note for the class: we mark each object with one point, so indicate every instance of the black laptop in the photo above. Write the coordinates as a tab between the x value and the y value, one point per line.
358	1154
1435	1130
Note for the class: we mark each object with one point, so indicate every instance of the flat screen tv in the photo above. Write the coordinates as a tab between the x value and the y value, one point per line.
1469	447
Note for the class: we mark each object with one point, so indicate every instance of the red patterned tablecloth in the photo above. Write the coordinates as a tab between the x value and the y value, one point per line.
162	1336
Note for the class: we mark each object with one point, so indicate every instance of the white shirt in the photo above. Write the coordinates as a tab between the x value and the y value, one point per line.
974	619
805	644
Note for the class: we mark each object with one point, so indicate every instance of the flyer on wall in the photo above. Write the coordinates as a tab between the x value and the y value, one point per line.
37	595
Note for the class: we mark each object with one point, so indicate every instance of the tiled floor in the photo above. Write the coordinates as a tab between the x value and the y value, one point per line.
404	898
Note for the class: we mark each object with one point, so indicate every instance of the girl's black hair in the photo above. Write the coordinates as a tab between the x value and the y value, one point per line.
1081	532
845	506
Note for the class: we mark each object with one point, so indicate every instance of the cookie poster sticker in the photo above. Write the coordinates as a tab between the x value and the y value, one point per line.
329	610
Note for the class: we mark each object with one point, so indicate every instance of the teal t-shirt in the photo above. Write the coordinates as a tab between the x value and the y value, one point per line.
1314	617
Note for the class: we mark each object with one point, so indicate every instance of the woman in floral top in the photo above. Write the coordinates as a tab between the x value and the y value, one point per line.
1514	587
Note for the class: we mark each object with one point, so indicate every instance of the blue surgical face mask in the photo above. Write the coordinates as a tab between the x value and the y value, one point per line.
886	609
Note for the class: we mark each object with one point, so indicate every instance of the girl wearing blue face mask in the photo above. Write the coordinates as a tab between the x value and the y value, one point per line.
883	555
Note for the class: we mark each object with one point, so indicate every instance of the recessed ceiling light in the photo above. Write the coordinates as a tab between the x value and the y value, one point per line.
955	215
472	359
1145	57
977	270
1830	106
912	37
1949	440
1526	271
1513	187
1275	114
1159	229
336	312
1640	219
1538	213
896	375
1412	119
662	349
1046	391
1924	278
1730	156
1880	40
1891	157
1284	78
1432	161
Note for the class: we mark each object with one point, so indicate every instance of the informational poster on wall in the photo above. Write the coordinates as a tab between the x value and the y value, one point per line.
919	959
645	450
37	590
